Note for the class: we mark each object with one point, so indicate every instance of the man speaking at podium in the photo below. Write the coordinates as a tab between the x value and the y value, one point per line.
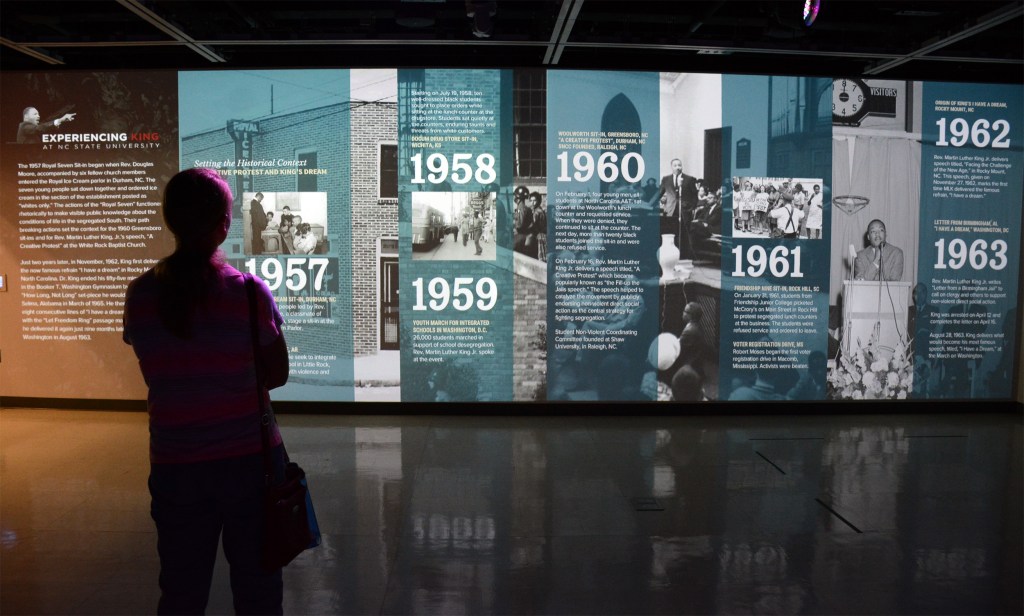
880	260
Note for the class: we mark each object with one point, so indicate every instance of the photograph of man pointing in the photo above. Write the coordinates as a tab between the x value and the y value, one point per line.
31	129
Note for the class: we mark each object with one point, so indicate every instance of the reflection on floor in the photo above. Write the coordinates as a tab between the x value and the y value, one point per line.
567	515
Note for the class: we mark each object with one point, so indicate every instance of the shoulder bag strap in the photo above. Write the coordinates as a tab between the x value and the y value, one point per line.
265	417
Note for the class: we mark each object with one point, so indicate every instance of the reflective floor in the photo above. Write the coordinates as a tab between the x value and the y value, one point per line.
571	515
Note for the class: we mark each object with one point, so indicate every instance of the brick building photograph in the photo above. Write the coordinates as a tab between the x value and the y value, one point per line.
278	133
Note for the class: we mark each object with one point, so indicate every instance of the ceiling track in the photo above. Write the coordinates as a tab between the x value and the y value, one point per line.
29	51
792	52
563	28
33	48
170	29
995	18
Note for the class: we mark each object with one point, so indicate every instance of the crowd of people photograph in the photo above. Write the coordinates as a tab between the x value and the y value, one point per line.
777	208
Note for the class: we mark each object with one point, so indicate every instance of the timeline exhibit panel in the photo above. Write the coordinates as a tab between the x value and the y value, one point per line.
455	267
282	141
774	288
85	159
491	235
966	296
603	294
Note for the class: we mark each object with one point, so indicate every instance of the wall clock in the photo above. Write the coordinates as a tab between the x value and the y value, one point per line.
850	101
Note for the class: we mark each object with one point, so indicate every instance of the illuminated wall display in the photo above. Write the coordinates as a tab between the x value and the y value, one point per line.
525	235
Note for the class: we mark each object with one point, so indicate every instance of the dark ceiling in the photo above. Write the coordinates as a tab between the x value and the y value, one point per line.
964	40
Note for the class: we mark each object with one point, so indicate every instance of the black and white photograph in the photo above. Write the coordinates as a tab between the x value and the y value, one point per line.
777	208
687	196
876	202
285	223
529	134
530	222
454	226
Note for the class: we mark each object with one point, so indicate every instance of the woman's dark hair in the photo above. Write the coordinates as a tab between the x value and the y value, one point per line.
196	208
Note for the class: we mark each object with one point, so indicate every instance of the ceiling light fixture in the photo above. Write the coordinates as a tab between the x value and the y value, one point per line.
811	8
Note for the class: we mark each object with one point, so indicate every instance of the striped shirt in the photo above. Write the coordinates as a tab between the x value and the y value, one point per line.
202	391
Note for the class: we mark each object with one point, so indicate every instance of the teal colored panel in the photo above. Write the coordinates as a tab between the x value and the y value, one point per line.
966	298
774	303
455	258
285	135
603	294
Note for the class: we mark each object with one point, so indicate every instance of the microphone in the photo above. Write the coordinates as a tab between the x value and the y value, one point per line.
880	277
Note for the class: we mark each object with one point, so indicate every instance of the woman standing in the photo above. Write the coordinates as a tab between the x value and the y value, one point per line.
745	200
187	320
761	202
814	214
800	202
